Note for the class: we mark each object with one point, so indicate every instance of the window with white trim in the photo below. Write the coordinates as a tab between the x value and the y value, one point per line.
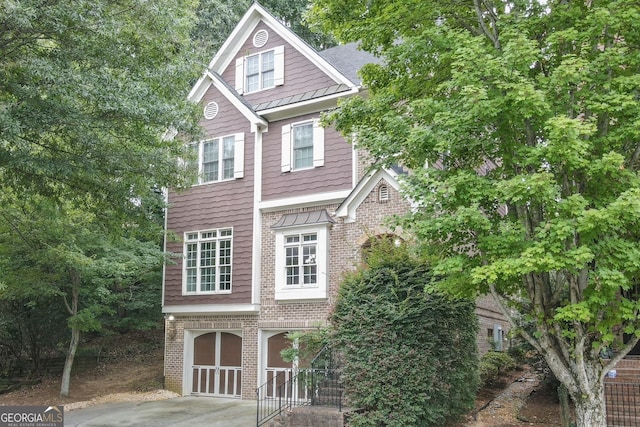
261	70
302	263
207	261
302	146
220	159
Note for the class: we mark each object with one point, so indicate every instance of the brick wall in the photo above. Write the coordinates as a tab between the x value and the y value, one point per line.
174	346
489	315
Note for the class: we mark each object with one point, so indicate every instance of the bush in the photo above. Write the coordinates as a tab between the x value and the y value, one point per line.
410	356
493	365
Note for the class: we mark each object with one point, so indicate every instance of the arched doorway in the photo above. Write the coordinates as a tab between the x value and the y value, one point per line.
278	371
217	364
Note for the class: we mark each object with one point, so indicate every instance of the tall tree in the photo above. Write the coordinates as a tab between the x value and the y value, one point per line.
92	96
88	90
520	122
61	253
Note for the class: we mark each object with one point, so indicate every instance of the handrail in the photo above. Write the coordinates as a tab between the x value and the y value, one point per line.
286	389
280	394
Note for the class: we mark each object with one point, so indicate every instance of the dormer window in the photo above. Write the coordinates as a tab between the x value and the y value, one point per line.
259	71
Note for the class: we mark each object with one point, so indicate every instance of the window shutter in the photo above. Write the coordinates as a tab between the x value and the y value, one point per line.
318	144
238	156
286	148
240	75
278	59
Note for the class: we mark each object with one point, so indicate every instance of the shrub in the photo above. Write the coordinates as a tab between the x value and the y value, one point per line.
410	356
493	364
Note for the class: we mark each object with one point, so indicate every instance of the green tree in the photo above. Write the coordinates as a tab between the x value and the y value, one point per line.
60	253
520	122
88	90
409	356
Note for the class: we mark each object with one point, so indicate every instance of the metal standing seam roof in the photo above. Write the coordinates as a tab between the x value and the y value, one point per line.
301	97
304	218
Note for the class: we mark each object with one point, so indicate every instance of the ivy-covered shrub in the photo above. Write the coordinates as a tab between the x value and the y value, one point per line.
410	356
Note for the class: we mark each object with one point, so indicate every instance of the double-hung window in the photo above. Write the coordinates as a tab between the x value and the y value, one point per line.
302	146
207	261
220	159
261	70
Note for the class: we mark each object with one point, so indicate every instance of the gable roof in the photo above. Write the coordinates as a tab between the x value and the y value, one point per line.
339	63
256	13
349	206
209	79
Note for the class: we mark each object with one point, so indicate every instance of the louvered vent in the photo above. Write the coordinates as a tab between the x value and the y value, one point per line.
383	193
260	38
210	110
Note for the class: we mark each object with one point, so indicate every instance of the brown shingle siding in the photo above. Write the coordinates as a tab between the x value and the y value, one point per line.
300	74
335	175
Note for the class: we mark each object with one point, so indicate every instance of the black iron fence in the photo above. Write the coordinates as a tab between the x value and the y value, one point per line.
286	389
282	392
623	404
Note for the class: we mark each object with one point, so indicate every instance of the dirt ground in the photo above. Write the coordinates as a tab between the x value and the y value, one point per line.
519	400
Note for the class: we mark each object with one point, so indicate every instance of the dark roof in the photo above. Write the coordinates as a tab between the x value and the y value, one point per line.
348	59
302	97
304	218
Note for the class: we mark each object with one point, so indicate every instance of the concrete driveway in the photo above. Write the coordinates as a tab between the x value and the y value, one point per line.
179	412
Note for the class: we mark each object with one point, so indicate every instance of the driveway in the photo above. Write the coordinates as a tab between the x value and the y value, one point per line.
179	412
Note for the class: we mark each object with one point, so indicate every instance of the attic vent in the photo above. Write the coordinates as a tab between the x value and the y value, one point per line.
260	38
210	110
383	193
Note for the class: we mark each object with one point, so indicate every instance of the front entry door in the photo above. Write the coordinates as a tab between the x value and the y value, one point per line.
217	360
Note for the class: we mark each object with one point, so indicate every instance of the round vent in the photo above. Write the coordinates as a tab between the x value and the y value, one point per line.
210	110
260	38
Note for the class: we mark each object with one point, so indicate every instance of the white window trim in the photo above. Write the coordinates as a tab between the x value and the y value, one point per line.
287	146
184	263
284	292
278	70
238	158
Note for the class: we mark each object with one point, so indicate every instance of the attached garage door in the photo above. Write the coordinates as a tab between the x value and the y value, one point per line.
217	360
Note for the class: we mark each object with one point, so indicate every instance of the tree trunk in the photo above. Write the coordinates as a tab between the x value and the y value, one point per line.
68	363
75	332
591	408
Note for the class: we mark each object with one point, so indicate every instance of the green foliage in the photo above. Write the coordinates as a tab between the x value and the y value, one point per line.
305	346
526	115
89	92
63	269
493	365
410	356
89	89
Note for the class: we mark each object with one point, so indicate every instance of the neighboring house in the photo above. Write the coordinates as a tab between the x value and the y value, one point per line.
280	212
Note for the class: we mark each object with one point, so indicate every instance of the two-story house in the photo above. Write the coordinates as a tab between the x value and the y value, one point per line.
280	212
